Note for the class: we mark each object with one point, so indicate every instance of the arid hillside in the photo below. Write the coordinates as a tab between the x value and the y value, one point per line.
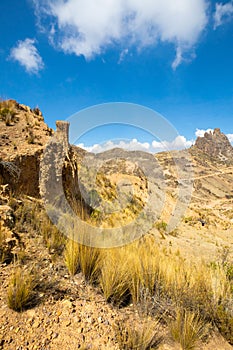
170	289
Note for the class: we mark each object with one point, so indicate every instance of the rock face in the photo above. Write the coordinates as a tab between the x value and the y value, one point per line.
9	241
23	135
23	138
216	145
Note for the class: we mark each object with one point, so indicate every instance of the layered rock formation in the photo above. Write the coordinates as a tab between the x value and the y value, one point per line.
23	135
216	145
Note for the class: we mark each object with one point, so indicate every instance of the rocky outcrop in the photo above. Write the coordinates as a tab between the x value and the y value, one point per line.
9	241
23	135
216	145
59	173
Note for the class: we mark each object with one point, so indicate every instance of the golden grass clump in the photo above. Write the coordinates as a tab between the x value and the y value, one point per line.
114	276
143	335
89	261
84	258
20	291
71	256
188	329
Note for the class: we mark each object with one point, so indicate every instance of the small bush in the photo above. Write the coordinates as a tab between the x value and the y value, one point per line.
142	336
229	272
224	322
162	228
188	329
5	252
161	225
20	292
7	114
30	215
53	238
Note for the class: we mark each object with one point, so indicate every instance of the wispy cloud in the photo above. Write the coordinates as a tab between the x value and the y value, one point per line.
27	55
130	145
201	132
180	142
88	28
230	137
122	55
134	145
223	13
177	61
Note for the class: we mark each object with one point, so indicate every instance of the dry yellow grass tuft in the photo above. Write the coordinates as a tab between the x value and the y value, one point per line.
142	336
71	255
114	276
188	329
21	289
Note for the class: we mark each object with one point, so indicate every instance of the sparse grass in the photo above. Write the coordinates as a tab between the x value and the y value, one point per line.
161	283
7	115
53	239
31	137
30	215
162	228
89	261
188	329
144	269
141	335
7	111
84	258
9	169
27	215
155	280
114	276
21	289
224	320
5	254
71	256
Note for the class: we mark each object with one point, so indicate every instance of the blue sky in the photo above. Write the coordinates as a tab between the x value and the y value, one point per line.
175	57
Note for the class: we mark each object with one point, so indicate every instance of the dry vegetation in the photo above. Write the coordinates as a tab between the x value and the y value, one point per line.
142	335
155	296
20	290
189	298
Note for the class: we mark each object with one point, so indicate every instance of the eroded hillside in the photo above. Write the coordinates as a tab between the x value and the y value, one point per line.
167	290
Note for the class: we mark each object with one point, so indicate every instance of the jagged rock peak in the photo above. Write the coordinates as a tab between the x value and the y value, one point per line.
216	144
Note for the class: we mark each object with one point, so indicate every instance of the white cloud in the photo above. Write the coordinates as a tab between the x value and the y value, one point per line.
230	137
134	145
122	55
177	61
201	132
131	145
223	13
180	142
88	27
27	55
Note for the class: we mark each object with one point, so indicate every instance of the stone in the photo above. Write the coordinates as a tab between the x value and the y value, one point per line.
215	144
